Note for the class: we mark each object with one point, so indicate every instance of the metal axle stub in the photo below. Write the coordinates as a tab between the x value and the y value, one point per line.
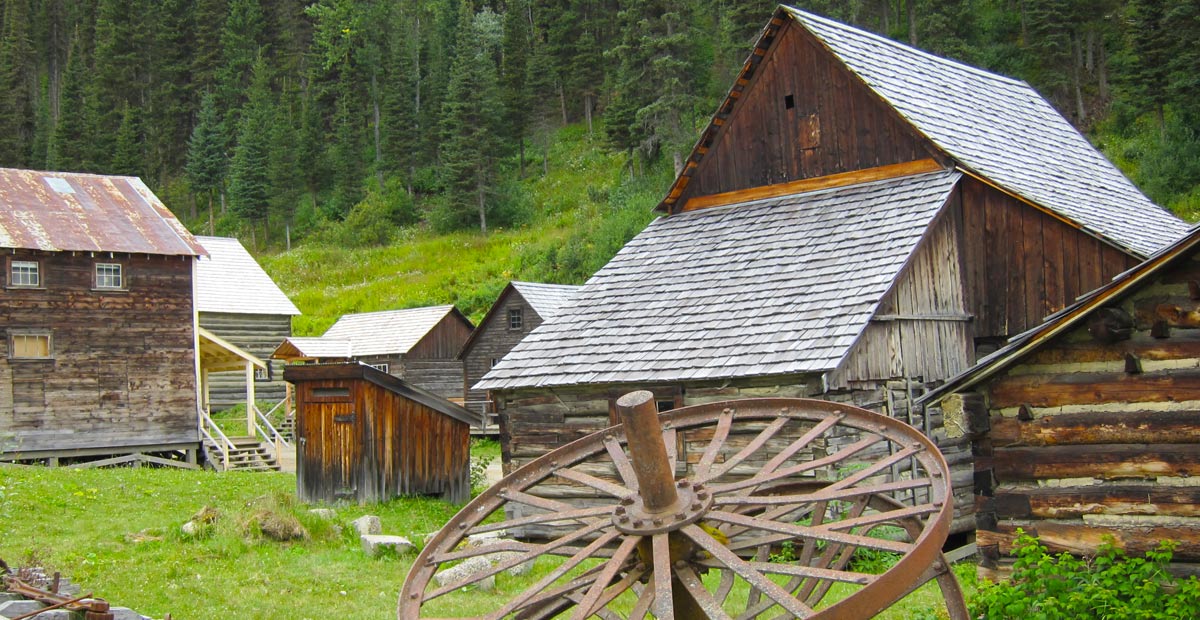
631	517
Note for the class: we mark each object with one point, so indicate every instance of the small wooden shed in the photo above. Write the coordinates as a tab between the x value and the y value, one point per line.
366	435
1086	427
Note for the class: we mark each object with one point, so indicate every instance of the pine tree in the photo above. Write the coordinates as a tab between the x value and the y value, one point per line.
470	126
16	102
401	123
249	186
1149	40
241	44
120	71
71	140
206	161
283	166
514	69
128	158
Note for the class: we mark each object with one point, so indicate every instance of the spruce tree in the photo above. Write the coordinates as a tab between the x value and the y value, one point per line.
16	103
514	69
249	185
128	158
206	160
71	140
470	136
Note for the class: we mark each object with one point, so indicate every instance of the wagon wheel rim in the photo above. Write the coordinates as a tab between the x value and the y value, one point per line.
755	478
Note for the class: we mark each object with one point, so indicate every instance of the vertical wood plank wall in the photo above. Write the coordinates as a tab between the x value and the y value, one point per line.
834	125
123	372
1023	265
374	444
1082	445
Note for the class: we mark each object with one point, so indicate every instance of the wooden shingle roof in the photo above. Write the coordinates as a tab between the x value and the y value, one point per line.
778	286
77	212
992	127
546	299
230	280
388	332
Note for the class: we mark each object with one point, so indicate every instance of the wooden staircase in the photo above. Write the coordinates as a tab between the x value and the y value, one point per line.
248	454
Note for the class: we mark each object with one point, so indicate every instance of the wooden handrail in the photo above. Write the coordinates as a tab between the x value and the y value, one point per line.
269	434
224	445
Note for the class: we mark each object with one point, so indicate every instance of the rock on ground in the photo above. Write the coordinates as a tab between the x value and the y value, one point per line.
367	524
373	544
468	568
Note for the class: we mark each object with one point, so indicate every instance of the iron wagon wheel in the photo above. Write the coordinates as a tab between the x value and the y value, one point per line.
741	509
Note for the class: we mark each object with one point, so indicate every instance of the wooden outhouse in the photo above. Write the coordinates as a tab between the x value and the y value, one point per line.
520	308
1088	426
419	345
239	303
98	345
857	223
368	436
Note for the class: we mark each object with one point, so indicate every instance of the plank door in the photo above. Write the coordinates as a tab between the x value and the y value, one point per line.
330	448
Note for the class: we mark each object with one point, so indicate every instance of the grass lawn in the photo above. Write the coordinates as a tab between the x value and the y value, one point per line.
117	533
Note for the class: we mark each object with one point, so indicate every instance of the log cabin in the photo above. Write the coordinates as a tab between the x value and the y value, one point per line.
858	221
238	302
520	308
1087	425
99	349
368	436
419	345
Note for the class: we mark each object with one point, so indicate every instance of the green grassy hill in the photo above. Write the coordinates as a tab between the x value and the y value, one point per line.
574	218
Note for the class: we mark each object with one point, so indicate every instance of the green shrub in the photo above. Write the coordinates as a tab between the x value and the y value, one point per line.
1109	585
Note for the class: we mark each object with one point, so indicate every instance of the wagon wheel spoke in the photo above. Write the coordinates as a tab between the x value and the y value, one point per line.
801	442
579	515
824	495
754	446
671	442
724	422
802	531
586	607
554	575
691	582
664	606
644	600
621	461
744	570
599	484
788	472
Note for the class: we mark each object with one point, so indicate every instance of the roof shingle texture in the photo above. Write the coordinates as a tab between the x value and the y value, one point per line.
69	211
230	280
1005	131
546	299
779	286
388	332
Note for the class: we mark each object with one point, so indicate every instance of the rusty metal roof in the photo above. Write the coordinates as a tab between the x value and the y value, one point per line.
71	211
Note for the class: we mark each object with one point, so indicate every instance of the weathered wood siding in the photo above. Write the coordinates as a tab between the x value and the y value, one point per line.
535	421
922	327
493	340
1086	438
123	367
1021	265
257	334
363	441
433	363
833	124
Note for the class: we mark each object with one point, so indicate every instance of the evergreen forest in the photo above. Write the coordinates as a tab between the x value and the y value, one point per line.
280	120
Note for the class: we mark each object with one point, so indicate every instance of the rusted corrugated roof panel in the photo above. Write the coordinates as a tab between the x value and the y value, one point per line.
69	211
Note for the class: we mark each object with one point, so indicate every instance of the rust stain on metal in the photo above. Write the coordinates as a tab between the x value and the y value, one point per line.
63	211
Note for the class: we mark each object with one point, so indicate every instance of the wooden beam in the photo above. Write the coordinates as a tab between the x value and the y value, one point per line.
1098	427
920	166
1092	461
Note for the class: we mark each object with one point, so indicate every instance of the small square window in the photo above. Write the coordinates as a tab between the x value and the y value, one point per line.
25	273
380	367
108	275
516	318
29	346
262	374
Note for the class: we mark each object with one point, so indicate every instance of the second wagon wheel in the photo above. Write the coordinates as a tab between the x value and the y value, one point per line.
742	509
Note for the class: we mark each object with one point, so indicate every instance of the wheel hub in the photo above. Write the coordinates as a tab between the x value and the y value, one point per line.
631	516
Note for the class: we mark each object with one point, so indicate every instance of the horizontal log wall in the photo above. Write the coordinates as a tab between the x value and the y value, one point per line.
123	367
1088	437
493	340
258	335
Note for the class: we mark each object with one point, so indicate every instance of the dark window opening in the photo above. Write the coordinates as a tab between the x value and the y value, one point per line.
331	392
664	405
515	318
789	101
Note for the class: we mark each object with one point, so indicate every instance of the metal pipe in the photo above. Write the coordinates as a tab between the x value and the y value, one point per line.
643	433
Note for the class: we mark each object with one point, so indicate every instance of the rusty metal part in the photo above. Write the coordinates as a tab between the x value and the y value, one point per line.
76	212
656	486
55	600
51	607
815	479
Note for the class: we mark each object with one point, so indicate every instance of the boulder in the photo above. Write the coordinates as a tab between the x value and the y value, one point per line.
367	524
463	571
12	609
373	544
327	514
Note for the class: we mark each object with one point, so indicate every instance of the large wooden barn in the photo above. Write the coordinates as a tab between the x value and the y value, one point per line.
419	345
368	436
1086	426
856	222
520	308
238	302
99	350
